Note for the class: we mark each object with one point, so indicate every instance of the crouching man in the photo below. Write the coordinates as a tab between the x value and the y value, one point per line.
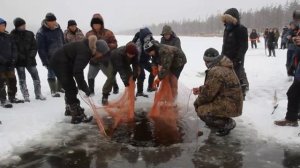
68	63
171	61
221	97
122	59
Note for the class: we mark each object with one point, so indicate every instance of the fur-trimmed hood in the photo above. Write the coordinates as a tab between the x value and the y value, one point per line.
226	18
92	44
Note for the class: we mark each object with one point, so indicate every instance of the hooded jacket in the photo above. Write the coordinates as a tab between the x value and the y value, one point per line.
235	39
49	41
139	39
104	34
173	41
221	95
27	47
8	52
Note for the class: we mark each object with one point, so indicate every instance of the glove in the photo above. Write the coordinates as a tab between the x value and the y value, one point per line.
156	82
134	77
154	70
87	92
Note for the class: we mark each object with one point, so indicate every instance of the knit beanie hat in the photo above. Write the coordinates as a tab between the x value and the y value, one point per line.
97	19
19	22
102	47
131	48
2	21
50	17
211	57
72	23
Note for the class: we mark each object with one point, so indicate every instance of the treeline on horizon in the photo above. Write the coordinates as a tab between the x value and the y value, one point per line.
266	17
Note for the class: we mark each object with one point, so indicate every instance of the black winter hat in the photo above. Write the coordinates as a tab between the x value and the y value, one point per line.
50	17
233	12
72	23
2	21
19	22
96	21
211	52
296	14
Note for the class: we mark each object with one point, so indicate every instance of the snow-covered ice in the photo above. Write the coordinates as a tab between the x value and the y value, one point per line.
35	123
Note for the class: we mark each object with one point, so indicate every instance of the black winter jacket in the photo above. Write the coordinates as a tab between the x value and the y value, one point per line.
8	52
235	44
27	48
72	59
122	63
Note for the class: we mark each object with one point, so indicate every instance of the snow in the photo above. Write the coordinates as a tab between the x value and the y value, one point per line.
39	122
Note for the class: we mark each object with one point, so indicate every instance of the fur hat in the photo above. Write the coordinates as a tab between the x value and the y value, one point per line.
102	47
72	23
50	17
166	30
19	22
211	57
2	21
131	48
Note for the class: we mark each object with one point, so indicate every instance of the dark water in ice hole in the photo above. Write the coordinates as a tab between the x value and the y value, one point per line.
137	146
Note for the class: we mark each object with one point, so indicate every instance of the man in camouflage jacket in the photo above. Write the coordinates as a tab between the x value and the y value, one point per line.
220	98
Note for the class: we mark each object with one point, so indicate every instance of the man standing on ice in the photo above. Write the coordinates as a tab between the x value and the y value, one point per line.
169	37
293	94
8	56
68	64
99	30
27	49
235	44
170	60
220	98
50	38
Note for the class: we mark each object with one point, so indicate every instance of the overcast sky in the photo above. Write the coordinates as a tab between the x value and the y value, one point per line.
122	14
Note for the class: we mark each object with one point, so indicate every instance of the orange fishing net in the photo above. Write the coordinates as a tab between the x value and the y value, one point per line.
164	112
122	110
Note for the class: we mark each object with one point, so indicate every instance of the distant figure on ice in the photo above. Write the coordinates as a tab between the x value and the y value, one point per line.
290	44
293	94
73	33
271	42
99	30
169	59
50	38
141	37
68	64
220	98
284	34
27	50
254	38
266	35
8	56
169	37
277	35
235	44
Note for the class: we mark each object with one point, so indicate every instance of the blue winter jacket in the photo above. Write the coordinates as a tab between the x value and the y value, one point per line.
49	41
8	52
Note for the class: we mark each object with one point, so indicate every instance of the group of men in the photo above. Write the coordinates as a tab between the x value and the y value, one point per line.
66	54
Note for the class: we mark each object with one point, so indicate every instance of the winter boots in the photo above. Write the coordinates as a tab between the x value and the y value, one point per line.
221	124
286	123
105	99
229	125
91	86
15	100
77	114
140	90
53	87
115	88
37	90
6	104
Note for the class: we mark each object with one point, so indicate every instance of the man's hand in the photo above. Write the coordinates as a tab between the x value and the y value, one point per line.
196	91
156	82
